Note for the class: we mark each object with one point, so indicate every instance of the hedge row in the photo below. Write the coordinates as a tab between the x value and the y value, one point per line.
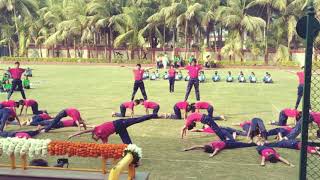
135	61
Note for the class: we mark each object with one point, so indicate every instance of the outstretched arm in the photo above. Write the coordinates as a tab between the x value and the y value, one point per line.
183	132
215	152
18	121
285	161
79	133
196	130
194	148
21	109
132	113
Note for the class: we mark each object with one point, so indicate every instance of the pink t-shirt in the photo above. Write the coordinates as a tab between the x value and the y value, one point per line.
182	105
16	73
287	128
73	113
208	130
150	105
218	145
172	72
12	112
104	130
138	74
22	135
29	102
245	123
316	117
266	152
45	116
193	117
68	123
291	112
193	71
310	149
9	103
202	105
300	77
128	105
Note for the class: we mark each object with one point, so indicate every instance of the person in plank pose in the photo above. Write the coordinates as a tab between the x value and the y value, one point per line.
138	83
126	105
172	77
16	74
9	104
103	131
7	115
69	112
193	71
285	114
191	120
271	155
26	103
216	146
150	105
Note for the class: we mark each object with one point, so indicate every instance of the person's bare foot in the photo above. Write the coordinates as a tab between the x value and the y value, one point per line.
113	114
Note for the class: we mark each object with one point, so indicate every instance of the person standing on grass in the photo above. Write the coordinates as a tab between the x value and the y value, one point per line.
193	71
300	75
172	76
138	82
16	74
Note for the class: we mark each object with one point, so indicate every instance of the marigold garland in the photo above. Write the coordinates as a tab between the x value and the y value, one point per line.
81	149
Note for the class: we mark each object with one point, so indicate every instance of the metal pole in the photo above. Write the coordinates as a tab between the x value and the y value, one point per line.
306	93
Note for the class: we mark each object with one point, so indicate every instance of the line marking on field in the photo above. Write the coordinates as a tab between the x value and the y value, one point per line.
207	162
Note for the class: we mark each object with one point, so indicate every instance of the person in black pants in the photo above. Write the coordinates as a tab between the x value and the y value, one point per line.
193	72
138	83
172	77
16	74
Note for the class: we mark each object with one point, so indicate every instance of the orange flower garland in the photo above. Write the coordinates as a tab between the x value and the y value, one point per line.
82	149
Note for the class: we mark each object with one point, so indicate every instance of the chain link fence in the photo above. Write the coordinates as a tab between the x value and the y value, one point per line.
313	160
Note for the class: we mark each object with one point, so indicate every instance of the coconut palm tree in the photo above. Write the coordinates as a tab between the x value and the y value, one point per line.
271	6
234	16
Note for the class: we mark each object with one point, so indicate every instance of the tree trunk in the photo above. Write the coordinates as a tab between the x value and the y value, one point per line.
241	45
74	48
266	52
174	41
164	38
9	48
68	50
186	39
40	50
95	44
208	35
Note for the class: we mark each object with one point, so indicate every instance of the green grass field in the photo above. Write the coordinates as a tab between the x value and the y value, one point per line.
99	90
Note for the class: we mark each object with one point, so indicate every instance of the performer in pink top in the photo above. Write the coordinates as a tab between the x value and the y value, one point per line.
150	105
9	103
177	108
71	112
285	114
103	131
193	71
300	75
216	146
172	77
20	134
124	106
138	82
271	155
26	103
16	74
204	105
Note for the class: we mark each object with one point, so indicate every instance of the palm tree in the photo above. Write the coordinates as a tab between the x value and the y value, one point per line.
234	16
270	5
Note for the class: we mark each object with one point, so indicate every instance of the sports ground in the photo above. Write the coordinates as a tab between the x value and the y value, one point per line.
97	91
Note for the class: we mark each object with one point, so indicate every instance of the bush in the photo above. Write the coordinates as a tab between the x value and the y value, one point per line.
257	63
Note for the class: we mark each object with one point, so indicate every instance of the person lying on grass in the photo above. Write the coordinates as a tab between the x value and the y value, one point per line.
191	120
103	131
271	155
294	144
21	134
216	146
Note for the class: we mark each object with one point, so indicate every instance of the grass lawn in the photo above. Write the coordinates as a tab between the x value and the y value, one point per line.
99	90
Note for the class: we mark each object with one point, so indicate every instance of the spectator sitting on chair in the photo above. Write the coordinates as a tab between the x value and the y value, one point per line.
187	78
26	83
7	86
179	76
252	78
202	77
28	72
157	74
241	78
229	77
216	77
